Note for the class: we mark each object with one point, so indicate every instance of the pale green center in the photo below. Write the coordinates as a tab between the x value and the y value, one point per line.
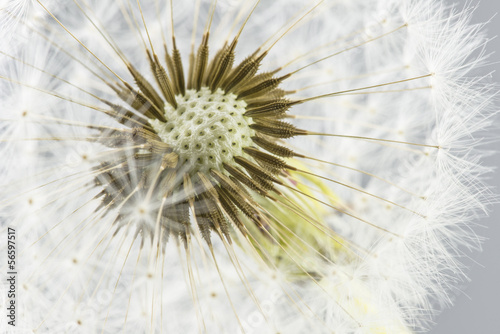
206	130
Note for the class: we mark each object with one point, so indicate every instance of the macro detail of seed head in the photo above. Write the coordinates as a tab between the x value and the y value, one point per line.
206	130
213	141
239	166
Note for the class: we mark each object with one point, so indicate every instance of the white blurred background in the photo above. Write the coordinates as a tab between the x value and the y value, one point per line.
477	306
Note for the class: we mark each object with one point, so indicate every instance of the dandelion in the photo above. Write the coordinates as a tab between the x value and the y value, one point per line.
239	167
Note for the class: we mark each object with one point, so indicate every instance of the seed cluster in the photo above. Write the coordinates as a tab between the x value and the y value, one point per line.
206	130
204	145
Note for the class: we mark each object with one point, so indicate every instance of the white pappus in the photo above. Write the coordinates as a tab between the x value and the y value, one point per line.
239	166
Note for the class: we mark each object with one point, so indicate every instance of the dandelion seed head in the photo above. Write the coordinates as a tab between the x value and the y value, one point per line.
207	129
239	167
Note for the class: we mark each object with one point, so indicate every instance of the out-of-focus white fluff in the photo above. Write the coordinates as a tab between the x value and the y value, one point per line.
74	276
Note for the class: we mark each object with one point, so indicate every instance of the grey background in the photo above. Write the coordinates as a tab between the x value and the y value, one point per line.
477	307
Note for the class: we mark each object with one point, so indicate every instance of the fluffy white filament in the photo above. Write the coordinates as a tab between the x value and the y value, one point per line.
403	71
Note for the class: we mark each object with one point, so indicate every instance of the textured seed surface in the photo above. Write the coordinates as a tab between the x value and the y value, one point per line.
206	129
